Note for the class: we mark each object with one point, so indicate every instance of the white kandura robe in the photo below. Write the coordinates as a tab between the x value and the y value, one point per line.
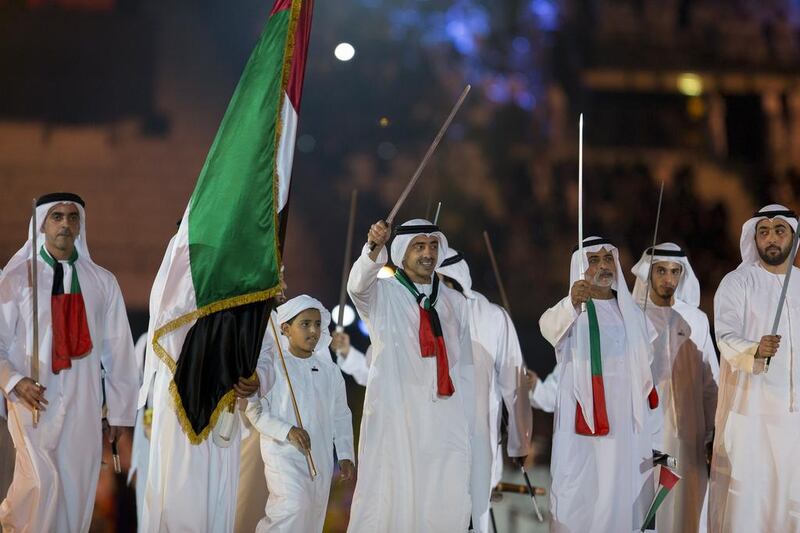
600	484
498	362
193	487
7	452
755	474
58	463
296	503
140	451
414	450
685	370
252	492
355	364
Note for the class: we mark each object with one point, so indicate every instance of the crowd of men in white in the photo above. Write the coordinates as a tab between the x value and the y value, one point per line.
635	372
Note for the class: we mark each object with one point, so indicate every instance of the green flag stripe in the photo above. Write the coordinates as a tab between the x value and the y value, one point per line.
659	499
594	339
233	244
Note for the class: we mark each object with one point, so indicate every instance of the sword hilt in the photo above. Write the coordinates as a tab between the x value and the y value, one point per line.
115	457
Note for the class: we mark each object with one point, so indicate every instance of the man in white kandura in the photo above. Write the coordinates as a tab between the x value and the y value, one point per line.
414	450
755	475
190	487
85	344
499	370
297	502
606	414
685	370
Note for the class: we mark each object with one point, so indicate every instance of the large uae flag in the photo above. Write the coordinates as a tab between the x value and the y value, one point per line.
225	263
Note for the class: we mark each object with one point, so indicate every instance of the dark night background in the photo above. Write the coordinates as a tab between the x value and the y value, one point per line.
119	100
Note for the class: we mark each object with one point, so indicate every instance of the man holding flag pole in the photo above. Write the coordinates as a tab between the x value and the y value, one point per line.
221	275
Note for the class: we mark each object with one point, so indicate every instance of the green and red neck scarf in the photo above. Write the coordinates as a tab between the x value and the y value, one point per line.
601	426
71	336
431	337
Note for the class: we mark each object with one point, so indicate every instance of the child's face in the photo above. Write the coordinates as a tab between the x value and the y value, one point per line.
304	331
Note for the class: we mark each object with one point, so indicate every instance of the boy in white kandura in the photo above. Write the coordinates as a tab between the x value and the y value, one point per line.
297	503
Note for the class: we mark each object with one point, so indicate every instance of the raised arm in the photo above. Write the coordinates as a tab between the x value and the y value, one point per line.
363	280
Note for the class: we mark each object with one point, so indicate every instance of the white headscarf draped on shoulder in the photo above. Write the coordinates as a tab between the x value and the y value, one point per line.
688	289
455	266
406	232
639	347
43	206
297	305
747	243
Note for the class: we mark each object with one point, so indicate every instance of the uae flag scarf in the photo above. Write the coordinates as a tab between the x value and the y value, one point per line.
431	338
601	426
71	336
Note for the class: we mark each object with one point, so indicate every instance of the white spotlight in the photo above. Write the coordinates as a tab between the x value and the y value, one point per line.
349	315
344	51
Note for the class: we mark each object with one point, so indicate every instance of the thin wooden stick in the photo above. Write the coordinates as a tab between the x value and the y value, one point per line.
312	469
424	162
348	251
500	285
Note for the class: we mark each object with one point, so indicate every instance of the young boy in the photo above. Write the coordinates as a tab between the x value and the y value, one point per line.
296	503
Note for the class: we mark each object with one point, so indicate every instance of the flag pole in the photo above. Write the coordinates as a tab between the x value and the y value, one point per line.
35	306
312	469
348	251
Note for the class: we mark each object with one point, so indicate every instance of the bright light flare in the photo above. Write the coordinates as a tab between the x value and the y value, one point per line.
344	51
385	272
690	84
349	315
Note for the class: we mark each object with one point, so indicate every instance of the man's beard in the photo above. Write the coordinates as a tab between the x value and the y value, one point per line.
665	293
603	279
774	260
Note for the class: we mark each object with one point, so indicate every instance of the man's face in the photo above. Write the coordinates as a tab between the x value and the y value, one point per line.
773	240
602	268
62	225
665	278
421	256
